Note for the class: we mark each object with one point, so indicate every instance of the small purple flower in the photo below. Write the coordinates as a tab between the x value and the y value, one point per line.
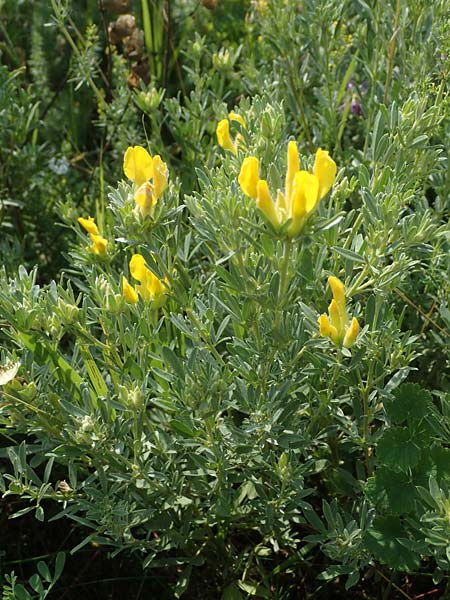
355	107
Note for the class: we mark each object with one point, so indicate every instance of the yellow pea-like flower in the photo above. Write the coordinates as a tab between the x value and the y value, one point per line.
149	175
303	190
336	324
128	291
89	225
151	288
249	176
138	165
326	328
223	133
223	136
98	245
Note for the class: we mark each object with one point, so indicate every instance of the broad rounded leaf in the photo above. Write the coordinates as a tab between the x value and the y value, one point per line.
397	450
387	541
410	402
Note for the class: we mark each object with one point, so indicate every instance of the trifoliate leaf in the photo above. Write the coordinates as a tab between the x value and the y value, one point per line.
397	450
410	403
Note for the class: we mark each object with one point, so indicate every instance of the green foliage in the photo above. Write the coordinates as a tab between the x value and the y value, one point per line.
216	432
41	583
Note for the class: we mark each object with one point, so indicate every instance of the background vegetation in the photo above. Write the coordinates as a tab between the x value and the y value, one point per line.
217	446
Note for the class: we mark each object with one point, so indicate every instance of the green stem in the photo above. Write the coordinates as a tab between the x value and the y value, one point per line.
283	279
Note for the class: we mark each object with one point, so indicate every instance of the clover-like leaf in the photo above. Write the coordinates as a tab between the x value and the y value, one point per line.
391	492
387	541
397	450
410	403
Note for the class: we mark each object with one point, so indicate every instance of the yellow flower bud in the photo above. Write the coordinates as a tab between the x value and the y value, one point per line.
145	199
89	225
265	203
325	326
249	176
223	136
337	326
338	289
129	293
99	244
138	165
335	316
351	334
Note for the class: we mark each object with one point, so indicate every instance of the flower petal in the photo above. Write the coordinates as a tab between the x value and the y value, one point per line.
129	293
351	334
145	199
99	244
160	176
325	171
223	136
249	177
304	194
235	117
137	267
265	203
293	167
338	289
89	225
138	164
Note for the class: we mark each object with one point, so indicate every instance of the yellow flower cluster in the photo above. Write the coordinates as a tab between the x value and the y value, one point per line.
223	133
302	193
336	324
99	244
151	289
140	167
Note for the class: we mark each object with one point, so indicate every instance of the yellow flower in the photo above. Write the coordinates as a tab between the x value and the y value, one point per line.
138	165
302	193
88	224
151	288
236	117
145	199
129	293
336	324
265	204
223	133
249	176
99	244
160	176
223	136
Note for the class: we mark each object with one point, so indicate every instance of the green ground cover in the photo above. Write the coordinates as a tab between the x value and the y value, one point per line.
224	299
